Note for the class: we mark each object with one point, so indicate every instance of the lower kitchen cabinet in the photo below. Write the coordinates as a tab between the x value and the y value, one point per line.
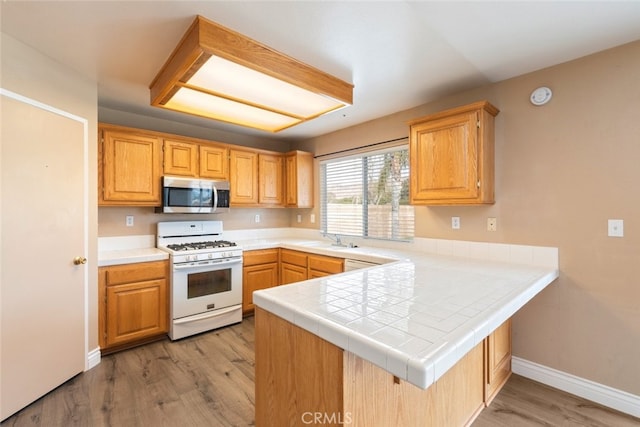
497	360
259	271
266	268
293	266
296	266
133	305
320	265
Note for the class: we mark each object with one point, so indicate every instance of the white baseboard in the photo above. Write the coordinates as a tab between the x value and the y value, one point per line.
93	358
599	393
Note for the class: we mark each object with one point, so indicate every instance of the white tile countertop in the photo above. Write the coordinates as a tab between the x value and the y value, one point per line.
416	316
128	250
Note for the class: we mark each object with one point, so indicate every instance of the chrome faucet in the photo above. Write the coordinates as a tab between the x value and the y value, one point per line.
335	238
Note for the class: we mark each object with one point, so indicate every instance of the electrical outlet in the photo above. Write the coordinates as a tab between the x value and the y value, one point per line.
313	218
615	228
256	218
299	218
492	224
129	220
455	222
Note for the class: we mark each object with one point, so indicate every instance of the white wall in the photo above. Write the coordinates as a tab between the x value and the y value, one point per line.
31	74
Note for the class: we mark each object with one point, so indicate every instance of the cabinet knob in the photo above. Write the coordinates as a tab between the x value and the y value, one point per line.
79	260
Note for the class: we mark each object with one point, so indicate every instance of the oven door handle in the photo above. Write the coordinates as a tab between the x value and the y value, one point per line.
207	263
206	315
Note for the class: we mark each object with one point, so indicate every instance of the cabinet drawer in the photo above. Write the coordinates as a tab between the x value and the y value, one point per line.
261	256
128	273
293	257
326	264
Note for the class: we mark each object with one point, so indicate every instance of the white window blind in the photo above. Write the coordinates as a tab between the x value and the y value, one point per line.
368	195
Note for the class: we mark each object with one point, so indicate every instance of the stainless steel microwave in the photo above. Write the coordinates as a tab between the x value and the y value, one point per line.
194	195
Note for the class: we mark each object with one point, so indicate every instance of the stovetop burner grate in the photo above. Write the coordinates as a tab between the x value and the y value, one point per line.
201	245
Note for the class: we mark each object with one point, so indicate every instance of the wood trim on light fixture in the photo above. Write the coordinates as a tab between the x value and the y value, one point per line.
205	38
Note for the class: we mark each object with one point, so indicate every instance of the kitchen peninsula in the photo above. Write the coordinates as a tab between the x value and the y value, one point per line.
408	343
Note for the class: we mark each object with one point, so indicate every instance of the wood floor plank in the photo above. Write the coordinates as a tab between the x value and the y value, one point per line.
523	403
208	380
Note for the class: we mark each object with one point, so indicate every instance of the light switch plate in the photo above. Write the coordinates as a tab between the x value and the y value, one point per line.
615	228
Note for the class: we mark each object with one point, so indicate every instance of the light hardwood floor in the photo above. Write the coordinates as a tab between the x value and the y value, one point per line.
207	380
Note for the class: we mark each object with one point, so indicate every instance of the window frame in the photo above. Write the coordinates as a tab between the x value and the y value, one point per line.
365	205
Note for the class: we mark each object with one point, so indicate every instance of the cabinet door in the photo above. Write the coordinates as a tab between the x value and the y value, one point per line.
180	158
214	162
444	159
136	310
255	277
131	166
498	360
299	179
290	273
243	177
270	169
452	156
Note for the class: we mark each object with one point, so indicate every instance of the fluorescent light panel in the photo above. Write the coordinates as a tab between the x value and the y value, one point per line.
219	74
201	104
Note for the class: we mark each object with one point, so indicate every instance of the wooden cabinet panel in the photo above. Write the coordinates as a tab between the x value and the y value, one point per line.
270	170
299	179
260	256
180	158
290	273
255	277
133	304
243	177
137	272
293	257
260	270
131	166
296	373
214	162
135	311
296	370
452	156
497	360
324	264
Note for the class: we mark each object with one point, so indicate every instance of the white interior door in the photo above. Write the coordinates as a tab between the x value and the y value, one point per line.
43	220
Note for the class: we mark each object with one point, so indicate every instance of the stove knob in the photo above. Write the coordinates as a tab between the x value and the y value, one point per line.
210	256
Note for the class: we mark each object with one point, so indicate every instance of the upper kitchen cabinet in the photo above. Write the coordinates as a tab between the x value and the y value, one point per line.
192	159
243	177
129	167
452	156
270	183
299	179
214	162
180	158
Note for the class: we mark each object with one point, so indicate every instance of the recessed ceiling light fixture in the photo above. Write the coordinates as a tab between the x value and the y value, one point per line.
217	73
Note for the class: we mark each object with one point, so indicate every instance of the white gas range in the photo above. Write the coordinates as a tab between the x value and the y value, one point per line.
206	276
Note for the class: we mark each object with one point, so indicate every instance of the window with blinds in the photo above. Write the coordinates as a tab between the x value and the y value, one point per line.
368	195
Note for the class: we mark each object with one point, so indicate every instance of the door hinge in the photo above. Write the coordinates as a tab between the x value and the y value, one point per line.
478	184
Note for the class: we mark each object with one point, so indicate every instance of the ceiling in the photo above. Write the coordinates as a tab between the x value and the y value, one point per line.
398	54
